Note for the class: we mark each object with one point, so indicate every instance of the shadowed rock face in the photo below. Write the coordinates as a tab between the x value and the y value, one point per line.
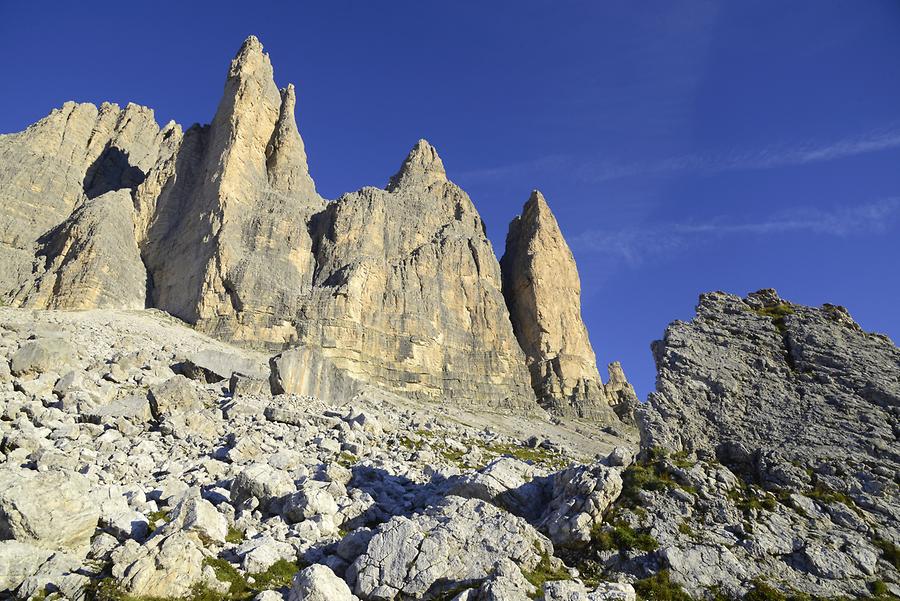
54	168
543	293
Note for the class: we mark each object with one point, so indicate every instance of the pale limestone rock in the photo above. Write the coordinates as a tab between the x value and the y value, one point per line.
580	496
18	561
164	567
398	287
194	514
91	260
176	394
42	355
307	371
543	293
48	509
318	583
77	153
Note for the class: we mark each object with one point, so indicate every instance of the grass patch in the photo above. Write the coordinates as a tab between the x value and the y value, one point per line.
537	456
278	575
826	495
545	572
659	588
619	536
234	536
346	460
762	591
157	519
889	550
685	529
777	313
750	498
650	474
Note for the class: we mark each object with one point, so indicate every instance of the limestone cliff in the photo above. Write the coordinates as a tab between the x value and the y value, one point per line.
221	226
408	291
55	168
543	293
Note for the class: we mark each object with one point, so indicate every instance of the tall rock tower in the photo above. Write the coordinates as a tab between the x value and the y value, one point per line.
543	293
228	247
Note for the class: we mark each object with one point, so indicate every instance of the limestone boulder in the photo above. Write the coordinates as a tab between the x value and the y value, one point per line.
318	583
163	567
580	496
53	509
175	395
452	544
43	355
307	371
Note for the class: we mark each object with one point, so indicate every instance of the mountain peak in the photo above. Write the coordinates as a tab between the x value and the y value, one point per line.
422	167
249	58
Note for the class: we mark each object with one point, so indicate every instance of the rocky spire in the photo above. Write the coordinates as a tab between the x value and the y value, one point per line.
422	167
543	294
286	153
236	252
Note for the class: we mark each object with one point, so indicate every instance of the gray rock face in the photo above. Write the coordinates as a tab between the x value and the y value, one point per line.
774	403
543	293
784	420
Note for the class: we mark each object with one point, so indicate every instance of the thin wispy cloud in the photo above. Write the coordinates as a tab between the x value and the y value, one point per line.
633	246
597	170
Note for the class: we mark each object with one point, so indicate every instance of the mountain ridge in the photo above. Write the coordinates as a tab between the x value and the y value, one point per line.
233	238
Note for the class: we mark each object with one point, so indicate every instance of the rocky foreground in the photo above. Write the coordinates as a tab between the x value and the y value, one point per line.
143	460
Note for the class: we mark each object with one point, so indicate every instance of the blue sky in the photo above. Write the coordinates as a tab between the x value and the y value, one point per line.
684	146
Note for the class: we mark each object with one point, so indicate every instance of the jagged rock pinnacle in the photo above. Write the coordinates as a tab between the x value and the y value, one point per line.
422	167
543	294
250	53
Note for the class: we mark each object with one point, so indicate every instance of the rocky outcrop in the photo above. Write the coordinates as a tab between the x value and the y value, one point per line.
543	293
769	456
774	403
76	154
